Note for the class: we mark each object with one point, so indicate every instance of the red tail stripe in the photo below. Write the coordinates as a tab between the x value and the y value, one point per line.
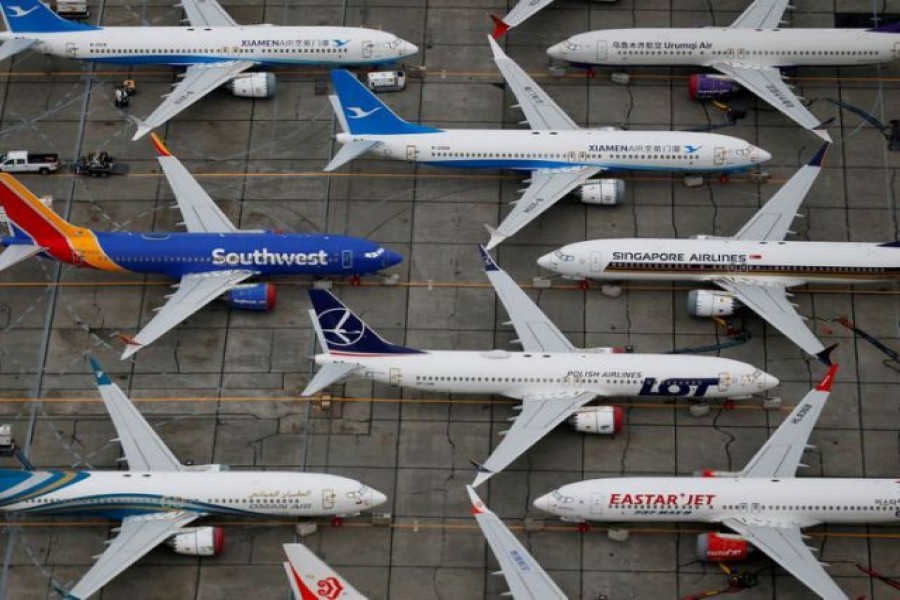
20	209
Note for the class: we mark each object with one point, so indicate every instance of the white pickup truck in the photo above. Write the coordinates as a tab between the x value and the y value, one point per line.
22	161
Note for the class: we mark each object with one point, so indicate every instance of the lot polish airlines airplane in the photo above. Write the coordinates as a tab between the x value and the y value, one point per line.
214	48
765	503
561	156
755	266
751	51
212	259
553	378
158	497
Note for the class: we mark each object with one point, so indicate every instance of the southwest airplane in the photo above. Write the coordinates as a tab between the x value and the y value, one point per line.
765	503
553	378
751	51
560	156
755	266
158	497
212	259
214	49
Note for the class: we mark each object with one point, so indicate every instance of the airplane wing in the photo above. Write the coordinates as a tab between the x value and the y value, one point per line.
200	212
781	454
772	222
540	414
17	253
540	110
143	448
546	187
311	578
138	535
769	299
536	332
195	291
767	83
207	13
522	11
783	543
199	80
525	577
762	14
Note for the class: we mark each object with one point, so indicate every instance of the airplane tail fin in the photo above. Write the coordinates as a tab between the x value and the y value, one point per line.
360	112
29	220
310	577
32	16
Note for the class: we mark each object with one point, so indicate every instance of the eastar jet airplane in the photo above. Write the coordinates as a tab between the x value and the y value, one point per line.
312	579
212	259
551	377
755	267
158	497
765	503
561	156
751	51
214	48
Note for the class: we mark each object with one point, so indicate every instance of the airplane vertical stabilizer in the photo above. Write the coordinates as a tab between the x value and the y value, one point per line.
32	16
363	113
310	577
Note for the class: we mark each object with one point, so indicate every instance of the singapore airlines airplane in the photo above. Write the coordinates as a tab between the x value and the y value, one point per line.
765	503
751	51
213	259
755	266
553	378
158	497
214	48
561	156
312	579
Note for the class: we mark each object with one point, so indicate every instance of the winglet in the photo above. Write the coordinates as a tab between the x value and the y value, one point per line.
478	506
825	355
131	345
496	50
817	160
828	380
142	128
500	27
483	474
824	124
99	373
496	237
159	145
489	264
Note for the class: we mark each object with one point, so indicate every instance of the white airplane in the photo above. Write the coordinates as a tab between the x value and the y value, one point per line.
561	156
522	11
312	579
755	267
553	378
765	503
158	497
751	51
214	49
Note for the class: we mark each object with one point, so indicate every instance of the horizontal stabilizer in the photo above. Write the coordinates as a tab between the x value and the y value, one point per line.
14	46
16	254
328	374
350	152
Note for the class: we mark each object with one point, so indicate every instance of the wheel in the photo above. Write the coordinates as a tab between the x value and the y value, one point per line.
44	171
104	174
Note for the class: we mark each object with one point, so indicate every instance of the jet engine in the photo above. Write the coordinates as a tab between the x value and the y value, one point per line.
253	85
709	87
606	192
706	303
252	296
198	541
722	547
601	420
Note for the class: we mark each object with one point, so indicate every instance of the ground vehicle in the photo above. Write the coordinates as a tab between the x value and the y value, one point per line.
96	164
22	161
386	81
72	9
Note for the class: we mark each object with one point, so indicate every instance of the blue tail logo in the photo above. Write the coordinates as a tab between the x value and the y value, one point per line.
364	113
344	332
359	113
18	12
32	16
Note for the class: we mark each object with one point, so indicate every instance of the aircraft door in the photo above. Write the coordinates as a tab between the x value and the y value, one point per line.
596	262
367	48
394	376
71	50
347	259
328	497
597	502
573	157
742	53
896	50
755	507
719	156
411	152
602	50
725	381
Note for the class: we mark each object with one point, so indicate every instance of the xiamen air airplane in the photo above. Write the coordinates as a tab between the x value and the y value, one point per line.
560	156
214	258
553	378
214	49
157	498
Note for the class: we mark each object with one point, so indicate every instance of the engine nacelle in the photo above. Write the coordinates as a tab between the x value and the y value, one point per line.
252	296
723	547
253	85
607	192
198	541
600	420
710	87
706	303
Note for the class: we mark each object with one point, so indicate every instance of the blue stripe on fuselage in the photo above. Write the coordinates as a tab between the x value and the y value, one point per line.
533	165
184	60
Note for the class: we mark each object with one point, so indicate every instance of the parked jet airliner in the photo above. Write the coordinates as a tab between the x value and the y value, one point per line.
158	497
751	51
214	258
214	48
560	156
553	378
765	503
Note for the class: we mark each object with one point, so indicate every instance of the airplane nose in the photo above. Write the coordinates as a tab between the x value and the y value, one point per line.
770	381
547	261
408	49
555	51
760	156
544	503
392	258
376	498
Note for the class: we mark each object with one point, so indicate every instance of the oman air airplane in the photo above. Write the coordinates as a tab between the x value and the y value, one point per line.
158	497
765	504
213	259
751	51
755	267
553	378
560	156
214	49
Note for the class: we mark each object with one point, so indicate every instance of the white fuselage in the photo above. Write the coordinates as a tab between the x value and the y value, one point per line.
709	45
517	374
530	150
793	263
803	501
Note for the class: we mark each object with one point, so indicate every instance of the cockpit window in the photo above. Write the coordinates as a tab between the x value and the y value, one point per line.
563	256
393	44
375	254
568	45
